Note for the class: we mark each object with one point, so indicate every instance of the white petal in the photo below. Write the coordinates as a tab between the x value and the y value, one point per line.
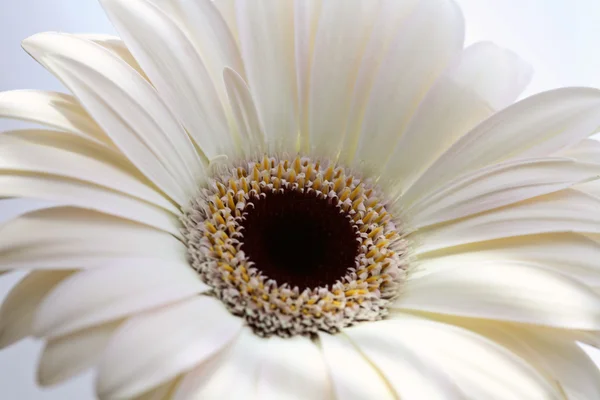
127	107
293	368
409	375
352	375
69	238
240	363
67	356
426	42
115	45
101	295
485	79
55	110
498	185
152	348
535	127
163	392
478	366
55	153
588	150
266	31
227	10
507	291
175	69
591	188
14	208
341	38
73	193
565	211
390	18
19	307
567	253
244	111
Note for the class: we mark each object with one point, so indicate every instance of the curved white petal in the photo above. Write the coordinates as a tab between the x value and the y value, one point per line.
292	368
407	72
67	356
479	367
163	392
42	153
570	254
410	375
14	208
126	107
535	127
227	10
115	45
483	80
588	150
266	33
506	291
19	307
101	295
55	110
177	71
352	375
391	16
240	363
497	186
591	188
70	238
565	211
341	38
246	117
152	348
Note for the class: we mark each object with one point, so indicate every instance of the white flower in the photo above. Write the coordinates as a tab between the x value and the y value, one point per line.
302	200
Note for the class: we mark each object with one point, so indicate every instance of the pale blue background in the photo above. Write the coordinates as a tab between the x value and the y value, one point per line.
560	38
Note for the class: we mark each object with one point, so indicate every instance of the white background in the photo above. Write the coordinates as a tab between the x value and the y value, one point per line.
560	38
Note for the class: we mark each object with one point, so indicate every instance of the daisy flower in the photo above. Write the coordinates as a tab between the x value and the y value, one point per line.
311	199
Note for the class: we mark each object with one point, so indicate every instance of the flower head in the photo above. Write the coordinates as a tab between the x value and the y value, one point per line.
302	199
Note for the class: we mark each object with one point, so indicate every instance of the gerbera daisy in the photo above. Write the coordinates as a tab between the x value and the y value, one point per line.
284	199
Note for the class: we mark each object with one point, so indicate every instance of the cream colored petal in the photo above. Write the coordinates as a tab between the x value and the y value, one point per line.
565	211
266	30
478	366
535	127
341	38
227	10
127	107
19	307
115	45
588	150
68	356
70	238
406	74
42	153
177	71
504	291
55	110
485	79
352	375
163	392
101	295
153	348
14	208
497	186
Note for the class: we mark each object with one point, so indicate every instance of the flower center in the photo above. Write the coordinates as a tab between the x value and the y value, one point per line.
295	246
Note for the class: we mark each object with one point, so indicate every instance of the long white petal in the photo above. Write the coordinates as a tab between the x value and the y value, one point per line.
177	71
126	107
240	363
115	45
479	367
353	377
55	110
100	295
566	253
14	208
588	150
406	74
535	127
565	211
486	78
70	238
19	307
266	39
152	348
497	186
67	356
341	38
293	368
42	153
506	291
162	392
